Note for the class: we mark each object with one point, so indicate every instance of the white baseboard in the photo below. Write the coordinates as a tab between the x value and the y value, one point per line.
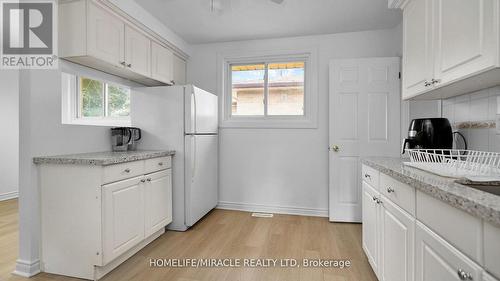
249	207
27	268
9	195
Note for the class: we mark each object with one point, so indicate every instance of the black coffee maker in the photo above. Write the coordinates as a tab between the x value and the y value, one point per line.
429	133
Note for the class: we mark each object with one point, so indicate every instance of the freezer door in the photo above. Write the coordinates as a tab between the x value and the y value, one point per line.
201	109
201	174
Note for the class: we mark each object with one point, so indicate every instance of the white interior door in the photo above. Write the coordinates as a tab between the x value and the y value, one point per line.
365	106
201	166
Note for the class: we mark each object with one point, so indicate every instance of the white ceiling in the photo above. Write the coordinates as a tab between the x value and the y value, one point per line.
258	19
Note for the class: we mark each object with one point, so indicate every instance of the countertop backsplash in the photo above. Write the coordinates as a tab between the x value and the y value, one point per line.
474	116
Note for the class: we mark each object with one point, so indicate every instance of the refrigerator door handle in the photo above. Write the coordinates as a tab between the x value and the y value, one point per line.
195	115
193	163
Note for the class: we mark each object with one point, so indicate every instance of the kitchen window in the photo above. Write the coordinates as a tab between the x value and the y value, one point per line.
268	89
269	92
91	101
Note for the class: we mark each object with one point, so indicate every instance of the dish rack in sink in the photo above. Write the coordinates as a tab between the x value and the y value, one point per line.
473	165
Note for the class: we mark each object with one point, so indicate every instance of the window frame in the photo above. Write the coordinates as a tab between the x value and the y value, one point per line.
71	111
266	88
307	120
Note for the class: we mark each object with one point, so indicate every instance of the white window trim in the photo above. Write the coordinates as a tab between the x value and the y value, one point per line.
70	111
310	117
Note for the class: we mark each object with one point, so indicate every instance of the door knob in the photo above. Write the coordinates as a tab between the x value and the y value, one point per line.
335	148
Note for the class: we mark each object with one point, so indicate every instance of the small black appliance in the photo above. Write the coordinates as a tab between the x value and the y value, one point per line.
429	133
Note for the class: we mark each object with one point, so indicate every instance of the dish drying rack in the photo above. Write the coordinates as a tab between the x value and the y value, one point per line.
479	166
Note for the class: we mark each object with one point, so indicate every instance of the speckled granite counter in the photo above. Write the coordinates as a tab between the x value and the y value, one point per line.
476	202
102	158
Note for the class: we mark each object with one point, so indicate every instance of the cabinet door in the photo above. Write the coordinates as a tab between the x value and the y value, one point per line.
397	243
162	61
105	36
465	36
123	217
417	47
158	192
137	52
370	225
437	260
179	71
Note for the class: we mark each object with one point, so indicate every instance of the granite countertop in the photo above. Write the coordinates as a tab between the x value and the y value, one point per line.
102	158
473	201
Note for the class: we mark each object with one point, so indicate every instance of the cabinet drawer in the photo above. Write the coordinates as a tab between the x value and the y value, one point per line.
492	249
457	227
401	194
436	259
157	164
123	171
371	176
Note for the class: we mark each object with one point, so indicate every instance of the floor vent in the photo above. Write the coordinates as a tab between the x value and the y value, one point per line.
262	215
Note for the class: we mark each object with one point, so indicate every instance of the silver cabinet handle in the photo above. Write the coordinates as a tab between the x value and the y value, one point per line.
390	190
149	179
368	176
379	201
143	180
127	170
463	275
375	198
435	81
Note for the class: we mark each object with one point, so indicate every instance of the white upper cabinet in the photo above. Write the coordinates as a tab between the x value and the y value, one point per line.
105	35
95	35
162	69
417	53
449	47
179	70
465	34
137	51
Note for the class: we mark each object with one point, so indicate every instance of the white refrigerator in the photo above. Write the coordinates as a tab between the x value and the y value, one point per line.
184	119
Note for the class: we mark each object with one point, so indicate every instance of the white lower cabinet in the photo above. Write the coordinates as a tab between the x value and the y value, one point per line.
397	243
93	218
123	217
158	190
388	237
437	260
427	246
371	225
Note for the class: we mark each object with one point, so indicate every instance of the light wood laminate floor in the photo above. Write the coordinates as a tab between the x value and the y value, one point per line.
225	234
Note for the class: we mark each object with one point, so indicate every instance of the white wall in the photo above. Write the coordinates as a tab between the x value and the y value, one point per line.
283	169
481	106
9	136
42	133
